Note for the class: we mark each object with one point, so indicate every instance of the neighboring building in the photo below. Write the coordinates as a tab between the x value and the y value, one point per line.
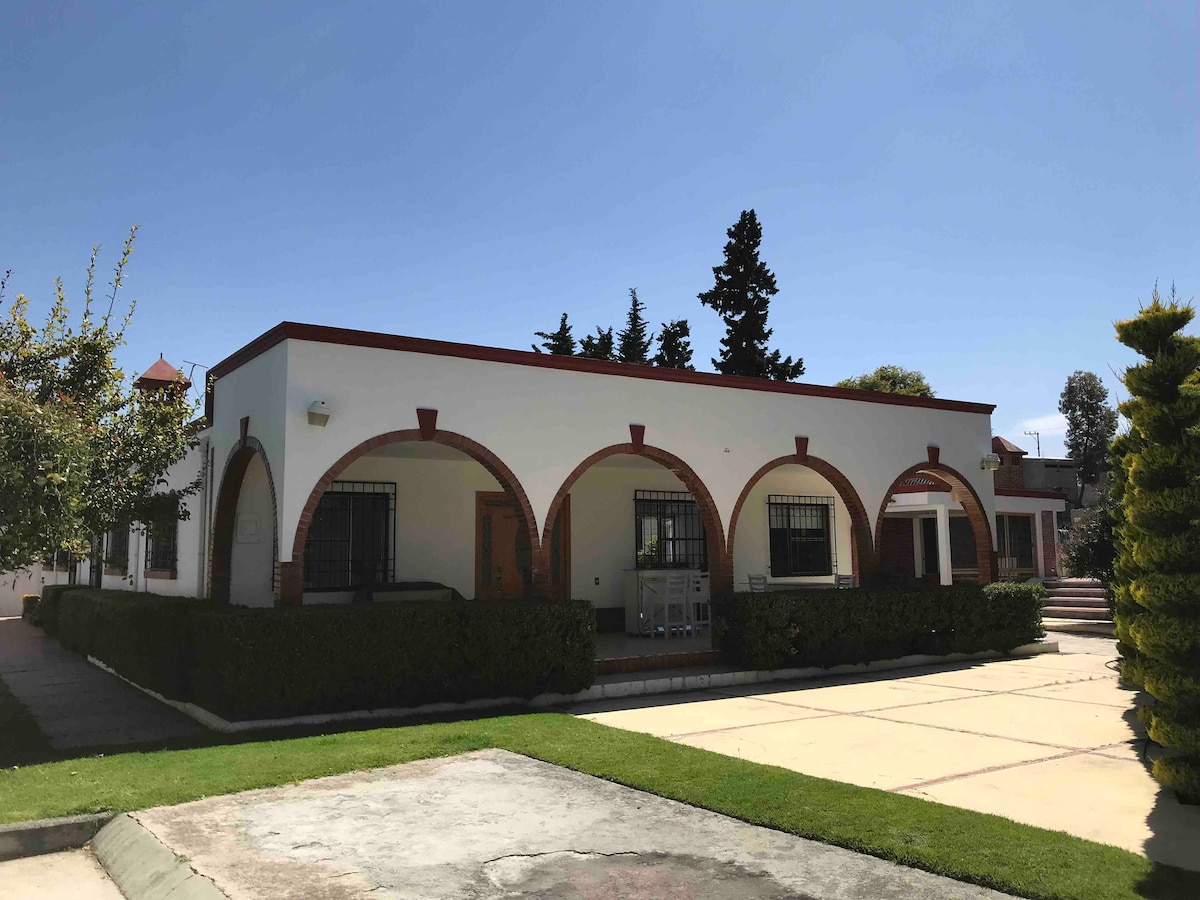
336	460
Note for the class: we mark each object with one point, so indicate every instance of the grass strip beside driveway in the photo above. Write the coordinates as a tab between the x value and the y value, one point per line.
958	843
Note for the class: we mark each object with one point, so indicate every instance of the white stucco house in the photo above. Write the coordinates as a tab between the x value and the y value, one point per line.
335	460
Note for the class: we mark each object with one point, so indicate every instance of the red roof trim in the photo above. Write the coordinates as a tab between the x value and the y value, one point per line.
1023	492
1004	445
346	336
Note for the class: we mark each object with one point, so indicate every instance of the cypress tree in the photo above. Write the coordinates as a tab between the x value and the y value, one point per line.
598	346
741	296
633	342
1157	592
557	343
674	348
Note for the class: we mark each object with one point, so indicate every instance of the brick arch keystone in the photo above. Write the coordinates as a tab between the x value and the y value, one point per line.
964	493
862	546
292	574
720	572
225	516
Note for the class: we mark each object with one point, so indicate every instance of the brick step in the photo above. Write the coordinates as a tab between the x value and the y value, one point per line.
1075	626
1074	612
1068	591
1082	602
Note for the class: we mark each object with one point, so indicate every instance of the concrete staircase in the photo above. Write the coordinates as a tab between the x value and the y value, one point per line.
1077	605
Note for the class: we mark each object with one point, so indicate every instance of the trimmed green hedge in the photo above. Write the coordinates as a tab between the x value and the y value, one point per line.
29	608
317	659
144	637
272	663
48	608
829	627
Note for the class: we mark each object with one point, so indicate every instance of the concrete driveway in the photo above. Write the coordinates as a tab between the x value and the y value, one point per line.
1049	740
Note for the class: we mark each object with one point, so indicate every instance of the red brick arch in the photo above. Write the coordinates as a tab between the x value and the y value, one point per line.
862	547
964	493
292	574
225	516
719	570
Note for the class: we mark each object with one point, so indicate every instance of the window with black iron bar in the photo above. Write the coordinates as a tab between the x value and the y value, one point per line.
801	535
116	549
162	536
350	542
669	531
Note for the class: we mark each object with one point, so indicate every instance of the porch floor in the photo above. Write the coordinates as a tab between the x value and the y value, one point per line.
631	653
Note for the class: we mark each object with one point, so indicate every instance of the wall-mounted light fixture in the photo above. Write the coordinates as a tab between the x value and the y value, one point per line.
990	462
318	413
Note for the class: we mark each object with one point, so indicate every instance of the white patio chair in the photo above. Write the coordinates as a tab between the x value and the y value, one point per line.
698	609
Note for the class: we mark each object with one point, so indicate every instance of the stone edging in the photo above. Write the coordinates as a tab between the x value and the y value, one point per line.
146	869
633	687
19	839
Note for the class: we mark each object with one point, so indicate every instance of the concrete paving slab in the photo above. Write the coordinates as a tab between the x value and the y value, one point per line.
858	697
866	751
999	676
1104	691
70	875
1111	801
1023	718
494	824
1090	664
667	717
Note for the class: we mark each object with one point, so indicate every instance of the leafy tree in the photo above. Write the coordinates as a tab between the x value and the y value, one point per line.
891	380
1157	594
1091	425
742	295
599	345
557	343
1090	549
674	348
81	449
633	342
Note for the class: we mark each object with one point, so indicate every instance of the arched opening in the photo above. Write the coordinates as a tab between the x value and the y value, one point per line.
924	529
420	515
627	510
808	526
245	541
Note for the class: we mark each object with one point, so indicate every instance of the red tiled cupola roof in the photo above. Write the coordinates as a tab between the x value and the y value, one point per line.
1002	445
160	375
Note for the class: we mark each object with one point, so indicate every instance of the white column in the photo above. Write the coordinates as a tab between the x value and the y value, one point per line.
943	533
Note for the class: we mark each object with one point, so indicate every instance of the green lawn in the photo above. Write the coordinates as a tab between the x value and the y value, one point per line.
969	846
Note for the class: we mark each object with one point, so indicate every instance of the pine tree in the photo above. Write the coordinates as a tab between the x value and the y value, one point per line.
598	346
557	343
1157	591
633	342
741	296
674	348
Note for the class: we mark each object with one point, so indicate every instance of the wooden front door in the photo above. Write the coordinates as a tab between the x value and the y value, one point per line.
503	557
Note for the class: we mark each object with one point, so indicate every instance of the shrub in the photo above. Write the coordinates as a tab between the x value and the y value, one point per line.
144	637
29	608
315	659
827	628
48	608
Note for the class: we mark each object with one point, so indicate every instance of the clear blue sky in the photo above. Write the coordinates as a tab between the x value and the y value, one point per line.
976	190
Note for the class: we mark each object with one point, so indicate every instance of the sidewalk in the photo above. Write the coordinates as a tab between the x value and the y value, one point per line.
76	704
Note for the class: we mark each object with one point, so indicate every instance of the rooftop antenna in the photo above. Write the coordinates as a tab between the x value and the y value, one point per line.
1036	435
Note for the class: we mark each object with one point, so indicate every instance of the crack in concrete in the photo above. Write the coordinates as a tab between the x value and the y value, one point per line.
589	854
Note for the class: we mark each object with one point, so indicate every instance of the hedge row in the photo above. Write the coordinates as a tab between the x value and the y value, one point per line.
827	628
48	608
272	663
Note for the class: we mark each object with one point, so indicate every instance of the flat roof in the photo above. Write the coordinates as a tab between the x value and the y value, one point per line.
327	334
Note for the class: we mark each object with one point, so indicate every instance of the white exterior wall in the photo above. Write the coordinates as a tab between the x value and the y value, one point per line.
252	564
752	544
15	585
603	529
435	519
543	422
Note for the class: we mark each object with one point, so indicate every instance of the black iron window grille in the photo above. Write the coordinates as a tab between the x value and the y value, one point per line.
801	535
670	533
116	549
162	536
350	542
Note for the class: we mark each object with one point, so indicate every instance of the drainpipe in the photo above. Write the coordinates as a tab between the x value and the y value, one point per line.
202	544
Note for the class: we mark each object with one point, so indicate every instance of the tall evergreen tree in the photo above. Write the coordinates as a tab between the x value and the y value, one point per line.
1157	590
557	343
598	346
741	296
674	348
634	341
1091	425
